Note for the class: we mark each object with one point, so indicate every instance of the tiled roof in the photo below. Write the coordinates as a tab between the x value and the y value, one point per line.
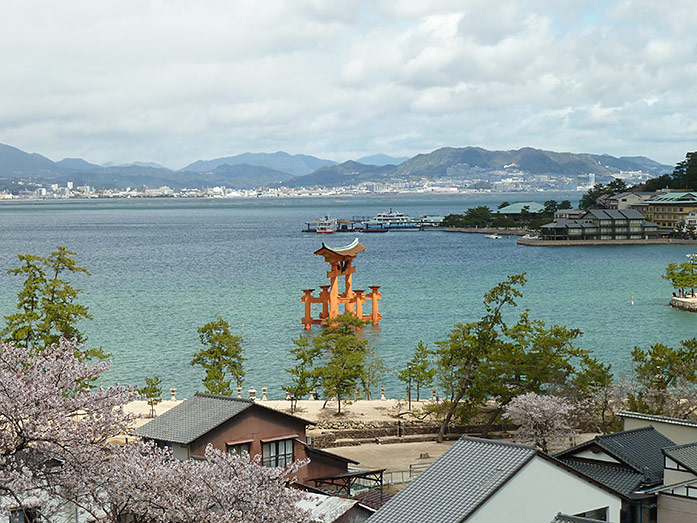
193	418
198	415
618	478
653	417
673	197
685	455
564	518
640	450
463	478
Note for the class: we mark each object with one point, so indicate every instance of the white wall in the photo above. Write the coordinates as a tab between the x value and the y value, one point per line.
680	434
539	491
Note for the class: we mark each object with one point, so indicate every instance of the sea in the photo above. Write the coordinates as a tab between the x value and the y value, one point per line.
160	268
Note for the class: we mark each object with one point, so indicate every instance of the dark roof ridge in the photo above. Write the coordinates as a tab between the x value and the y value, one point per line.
223	397
656	417
682	446
500	442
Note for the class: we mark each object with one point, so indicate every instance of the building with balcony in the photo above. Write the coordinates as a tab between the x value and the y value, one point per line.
602	224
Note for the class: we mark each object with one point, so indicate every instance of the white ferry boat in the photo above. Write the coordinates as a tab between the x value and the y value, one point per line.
396	220
327	225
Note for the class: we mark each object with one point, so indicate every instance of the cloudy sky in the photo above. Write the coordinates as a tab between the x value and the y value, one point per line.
175	81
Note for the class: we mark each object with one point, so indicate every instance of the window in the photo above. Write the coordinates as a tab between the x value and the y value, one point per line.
238	448
24	515
277	453
597	514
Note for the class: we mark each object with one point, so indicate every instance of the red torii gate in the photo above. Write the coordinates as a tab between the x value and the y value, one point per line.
340	260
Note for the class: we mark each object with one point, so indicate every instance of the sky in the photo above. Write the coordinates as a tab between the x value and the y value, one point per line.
176	81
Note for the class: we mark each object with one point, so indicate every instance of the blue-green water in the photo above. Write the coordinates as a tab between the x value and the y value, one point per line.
161	268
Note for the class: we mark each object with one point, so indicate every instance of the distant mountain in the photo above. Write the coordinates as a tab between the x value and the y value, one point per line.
296	165
382	159
135	164
77	164
347	173
15	162
18	166
239	176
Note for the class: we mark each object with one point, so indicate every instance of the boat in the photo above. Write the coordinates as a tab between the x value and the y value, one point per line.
374	226
494	236
327	225
394	220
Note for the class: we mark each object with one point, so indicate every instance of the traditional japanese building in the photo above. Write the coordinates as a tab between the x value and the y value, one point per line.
341	265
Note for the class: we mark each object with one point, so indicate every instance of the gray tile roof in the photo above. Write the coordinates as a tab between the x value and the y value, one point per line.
639	450
685	455
565	518
463	478
617	478
653	417
193	418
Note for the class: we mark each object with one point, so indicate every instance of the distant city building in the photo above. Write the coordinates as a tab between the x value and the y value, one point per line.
517	209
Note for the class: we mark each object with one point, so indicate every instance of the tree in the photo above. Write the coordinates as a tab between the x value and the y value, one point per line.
503	204
336	359
304	376
551	206
463	354
55	448
152	392
47	304
49	419
479	216
343	357
666	379
419	370
373	371
599	191
493	359
683	276
221	358
541	418
565	204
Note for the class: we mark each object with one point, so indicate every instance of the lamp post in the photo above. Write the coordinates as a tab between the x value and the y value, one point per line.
409	386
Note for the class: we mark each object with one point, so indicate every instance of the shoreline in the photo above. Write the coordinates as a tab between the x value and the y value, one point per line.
684	304
535	242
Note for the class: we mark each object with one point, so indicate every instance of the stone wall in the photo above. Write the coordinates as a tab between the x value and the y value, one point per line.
354	433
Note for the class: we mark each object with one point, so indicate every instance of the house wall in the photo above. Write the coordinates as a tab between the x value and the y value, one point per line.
674	509
324	465
180	451
539	491
680	434
257	424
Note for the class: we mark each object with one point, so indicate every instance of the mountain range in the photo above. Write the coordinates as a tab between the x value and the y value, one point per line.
249	170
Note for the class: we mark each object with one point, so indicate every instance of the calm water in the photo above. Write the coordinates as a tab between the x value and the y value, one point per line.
161	268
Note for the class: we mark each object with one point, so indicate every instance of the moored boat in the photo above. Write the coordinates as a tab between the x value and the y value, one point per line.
327	225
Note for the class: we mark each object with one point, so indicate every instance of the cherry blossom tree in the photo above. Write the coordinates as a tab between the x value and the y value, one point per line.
55	453
542	419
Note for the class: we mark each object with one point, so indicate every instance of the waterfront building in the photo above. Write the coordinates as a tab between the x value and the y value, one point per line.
602	224
516	210
626	200
569	214
668	209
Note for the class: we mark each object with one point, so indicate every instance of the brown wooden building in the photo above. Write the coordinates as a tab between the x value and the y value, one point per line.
237	425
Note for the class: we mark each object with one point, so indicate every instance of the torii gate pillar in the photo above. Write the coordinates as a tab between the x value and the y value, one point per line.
340	262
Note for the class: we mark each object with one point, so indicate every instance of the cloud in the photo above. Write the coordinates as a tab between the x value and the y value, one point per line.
176	81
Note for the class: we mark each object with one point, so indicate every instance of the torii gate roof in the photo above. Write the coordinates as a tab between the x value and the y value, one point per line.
350	250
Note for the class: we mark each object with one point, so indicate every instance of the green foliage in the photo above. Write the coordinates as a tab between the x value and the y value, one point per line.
503	204
152	392
683	177
490	359
303	375
590	199
221	357
47	303
336	359
666	379
419	370
682	276
479	216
